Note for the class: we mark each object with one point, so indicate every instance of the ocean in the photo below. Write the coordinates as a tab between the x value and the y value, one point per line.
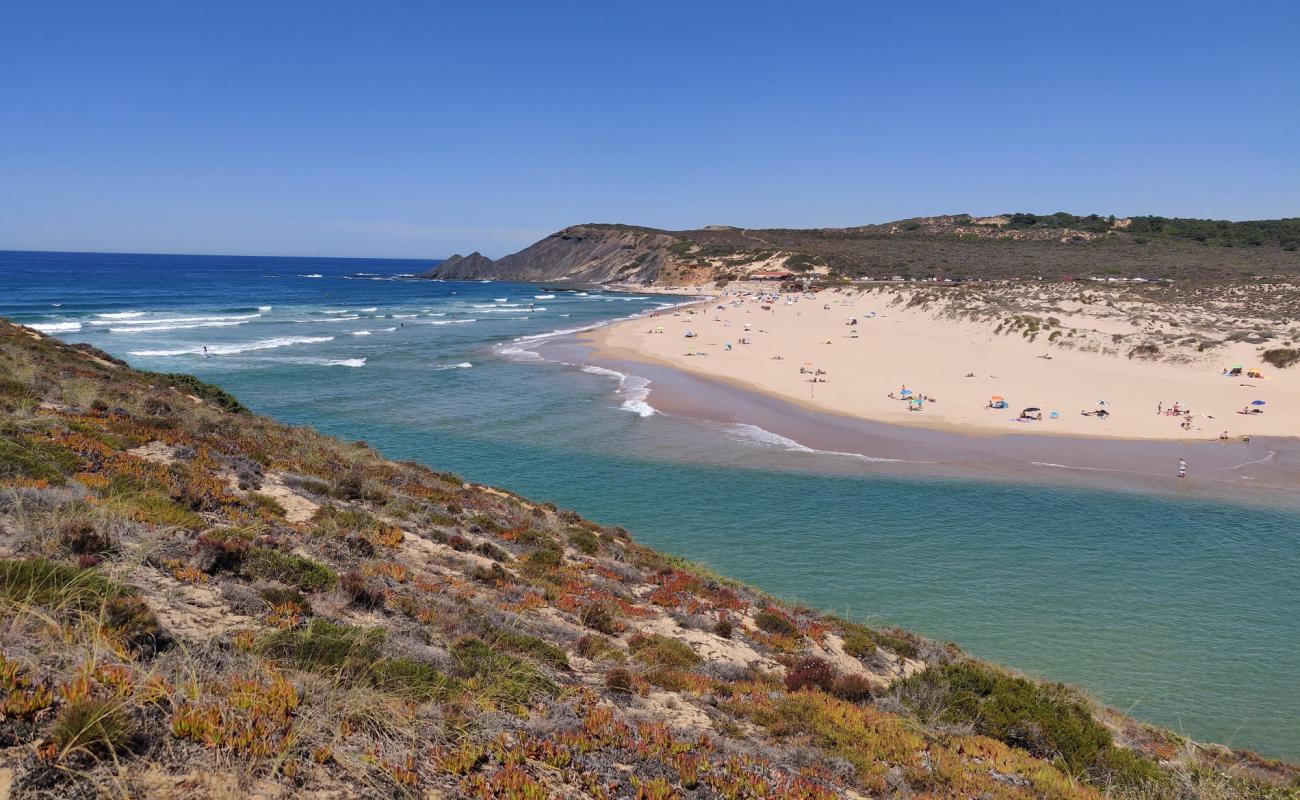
1177	610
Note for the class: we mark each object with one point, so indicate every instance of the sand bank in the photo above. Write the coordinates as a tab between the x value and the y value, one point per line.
778	347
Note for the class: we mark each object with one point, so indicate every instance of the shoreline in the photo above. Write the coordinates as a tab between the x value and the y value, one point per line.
770	348
1266	466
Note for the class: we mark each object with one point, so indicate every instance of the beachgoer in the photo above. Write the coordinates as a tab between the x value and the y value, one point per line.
1160	407
1182	468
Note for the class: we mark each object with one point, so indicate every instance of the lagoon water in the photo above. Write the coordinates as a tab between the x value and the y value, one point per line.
1180	611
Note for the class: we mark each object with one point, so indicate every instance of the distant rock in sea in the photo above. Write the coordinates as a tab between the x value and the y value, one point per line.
473	265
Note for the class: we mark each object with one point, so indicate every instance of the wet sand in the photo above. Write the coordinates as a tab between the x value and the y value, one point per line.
1265	469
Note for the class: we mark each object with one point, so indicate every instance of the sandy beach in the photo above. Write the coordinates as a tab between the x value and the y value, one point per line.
871	356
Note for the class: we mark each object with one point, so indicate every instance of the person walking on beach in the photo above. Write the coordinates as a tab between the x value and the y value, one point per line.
1182	468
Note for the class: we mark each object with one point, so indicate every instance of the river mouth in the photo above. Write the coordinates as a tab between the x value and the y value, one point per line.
1263	470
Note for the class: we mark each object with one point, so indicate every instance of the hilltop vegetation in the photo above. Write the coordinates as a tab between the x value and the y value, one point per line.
196	601
1006	246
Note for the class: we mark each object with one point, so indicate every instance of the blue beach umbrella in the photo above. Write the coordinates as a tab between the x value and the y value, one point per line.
1257	402
905	392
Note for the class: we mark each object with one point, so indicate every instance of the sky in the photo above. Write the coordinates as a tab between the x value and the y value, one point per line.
421	129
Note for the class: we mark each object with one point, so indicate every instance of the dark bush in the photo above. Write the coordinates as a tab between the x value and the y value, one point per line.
359	592
1046	719
1281	357
584	541
619	679
81	537
131	619
773	622
723	628
855	688
297	571
810	672
599	617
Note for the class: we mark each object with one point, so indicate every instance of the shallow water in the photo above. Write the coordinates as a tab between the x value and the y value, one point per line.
1181	611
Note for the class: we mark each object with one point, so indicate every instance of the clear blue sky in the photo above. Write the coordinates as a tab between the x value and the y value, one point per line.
423	128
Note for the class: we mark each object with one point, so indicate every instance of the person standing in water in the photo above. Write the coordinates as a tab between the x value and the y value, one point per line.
1182	468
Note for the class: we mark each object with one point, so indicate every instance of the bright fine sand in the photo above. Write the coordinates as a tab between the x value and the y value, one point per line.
959	363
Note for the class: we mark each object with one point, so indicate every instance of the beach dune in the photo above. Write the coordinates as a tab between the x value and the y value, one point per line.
868	355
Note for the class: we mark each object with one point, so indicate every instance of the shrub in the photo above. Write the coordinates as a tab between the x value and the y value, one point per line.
599	617
594	646
411	679
501	677
204	391
620	680
283	596
81	537
541	563
1046	719
773	622
810	672
324	647
1281	357
662	651
359	593
856	688
584	541
492	551
92	724
36	581
529	645
264	503
297	571
861	642
131	619
19	461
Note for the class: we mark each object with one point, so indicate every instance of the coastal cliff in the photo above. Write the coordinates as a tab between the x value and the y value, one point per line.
957	246
197	601
579	254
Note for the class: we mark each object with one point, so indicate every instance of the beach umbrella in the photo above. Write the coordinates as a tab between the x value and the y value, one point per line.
1257	402
1102	403
1031	410
905	392
997	398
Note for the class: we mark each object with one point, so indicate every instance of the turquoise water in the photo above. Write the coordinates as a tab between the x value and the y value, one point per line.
1182	612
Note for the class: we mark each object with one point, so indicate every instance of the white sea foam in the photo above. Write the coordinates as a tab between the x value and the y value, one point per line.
745	431
498	304
56	327
461	365
355	363
344	318
448	321
334	311
150	328
239	347
263	308
404	316
121	315
543	297
499	299
632	388
312	275
370	310
159	321
361	333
